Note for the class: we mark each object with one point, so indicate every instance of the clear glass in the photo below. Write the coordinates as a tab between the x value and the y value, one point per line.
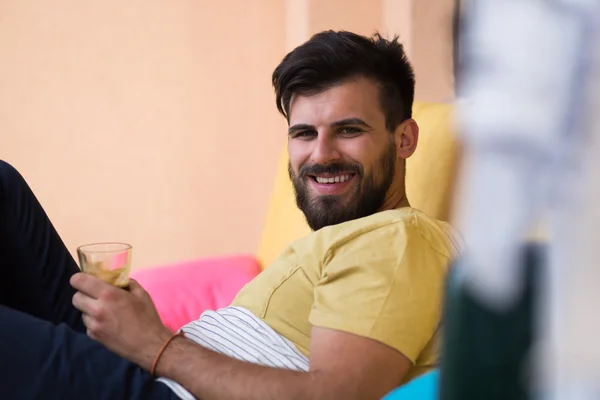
108	261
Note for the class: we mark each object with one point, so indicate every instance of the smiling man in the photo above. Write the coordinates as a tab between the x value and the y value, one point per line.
343	158
349	312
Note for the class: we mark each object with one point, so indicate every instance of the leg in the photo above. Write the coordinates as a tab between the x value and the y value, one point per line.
35	265
40	360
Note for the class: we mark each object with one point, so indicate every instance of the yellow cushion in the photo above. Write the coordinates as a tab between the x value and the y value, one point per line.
430	172
429	182
284	222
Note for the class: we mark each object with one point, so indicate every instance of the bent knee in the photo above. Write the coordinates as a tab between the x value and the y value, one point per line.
8	172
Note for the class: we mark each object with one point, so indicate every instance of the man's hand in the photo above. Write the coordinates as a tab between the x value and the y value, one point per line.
126	322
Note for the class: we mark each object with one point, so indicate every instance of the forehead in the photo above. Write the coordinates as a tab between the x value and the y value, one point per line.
354	99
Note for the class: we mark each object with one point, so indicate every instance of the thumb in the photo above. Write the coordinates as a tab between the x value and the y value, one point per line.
136	289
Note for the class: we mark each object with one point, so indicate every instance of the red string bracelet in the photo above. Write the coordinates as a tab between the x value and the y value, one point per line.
161	351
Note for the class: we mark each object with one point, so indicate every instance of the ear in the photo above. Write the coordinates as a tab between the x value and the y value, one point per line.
407	137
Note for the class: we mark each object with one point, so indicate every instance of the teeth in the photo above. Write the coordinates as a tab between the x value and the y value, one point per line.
334	179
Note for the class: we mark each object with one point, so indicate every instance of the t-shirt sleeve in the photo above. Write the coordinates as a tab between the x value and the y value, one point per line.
386	284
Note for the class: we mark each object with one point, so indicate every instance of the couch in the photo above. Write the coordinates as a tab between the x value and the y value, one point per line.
182	291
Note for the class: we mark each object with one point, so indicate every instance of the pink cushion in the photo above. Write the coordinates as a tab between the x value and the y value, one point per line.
182	291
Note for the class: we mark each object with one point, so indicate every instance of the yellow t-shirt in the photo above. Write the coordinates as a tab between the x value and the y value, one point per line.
379	277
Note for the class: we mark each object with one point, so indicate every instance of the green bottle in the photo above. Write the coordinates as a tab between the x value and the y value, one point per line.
485	353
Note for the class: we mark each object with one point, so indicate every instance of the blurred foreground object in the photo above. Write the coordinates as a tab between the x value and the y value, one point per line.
521	320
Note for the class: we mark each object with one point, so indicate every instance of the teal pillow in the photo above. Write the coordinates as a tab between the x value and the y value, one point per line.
424	387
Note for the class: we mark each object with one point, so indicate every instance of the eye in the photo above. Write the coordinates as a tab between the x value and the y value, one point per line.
305	135
350	131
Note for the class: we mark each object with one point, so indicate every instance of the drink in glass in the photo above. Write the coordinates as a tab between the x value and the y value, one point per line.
109	261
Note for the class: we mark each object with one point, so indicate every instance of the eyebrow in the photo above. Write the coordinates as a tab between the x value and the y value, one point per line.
336	124
299	127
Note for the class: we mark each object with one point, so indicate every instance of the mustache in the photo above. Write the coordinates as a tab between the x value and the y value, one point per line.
317	169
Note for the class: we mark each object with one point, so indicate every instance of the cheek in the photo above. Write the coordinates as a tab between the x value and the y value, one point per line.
383	166
357	153
297	156
372	168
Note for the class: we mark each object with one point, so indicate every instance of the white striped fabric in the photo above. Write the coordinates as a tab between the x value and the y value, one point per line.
239	334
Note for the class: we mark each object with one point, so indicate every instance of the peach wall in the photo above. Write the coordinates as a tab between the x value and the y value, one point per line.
431	45
153	122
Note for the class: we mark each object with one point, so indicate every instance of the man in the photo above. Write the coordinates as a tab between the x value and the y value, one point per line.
350	311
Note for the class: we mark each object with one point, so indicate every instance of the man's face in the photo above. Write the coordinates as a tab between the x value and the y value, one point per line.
342	157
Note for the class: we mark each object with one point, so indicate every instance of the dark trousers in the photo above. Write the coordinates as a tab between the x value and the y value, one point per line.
44	351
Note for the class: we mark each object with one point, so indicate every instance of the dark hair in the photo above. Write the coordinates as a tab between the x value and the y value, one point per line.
330	58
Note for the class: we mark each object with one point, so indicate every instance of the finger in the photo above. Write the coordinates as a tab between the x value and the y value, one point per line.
87	320
83	303
88	284
89	323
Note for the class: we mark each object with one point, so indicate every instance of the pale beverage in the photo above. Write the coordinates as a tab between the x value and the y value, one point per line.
108	261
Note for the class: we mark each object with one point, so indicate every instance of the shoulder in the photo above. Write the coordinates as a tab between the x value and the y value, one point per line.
390	231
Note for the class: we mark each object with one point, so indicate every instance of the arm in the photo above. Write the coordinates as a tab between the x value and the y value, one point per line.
342	366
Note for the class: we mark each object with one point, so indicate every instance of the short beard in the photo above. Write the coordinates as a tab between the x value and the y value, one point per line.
366	198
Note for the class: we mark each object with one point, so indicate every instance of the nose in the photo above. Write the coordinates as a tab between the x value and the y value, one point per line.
325	151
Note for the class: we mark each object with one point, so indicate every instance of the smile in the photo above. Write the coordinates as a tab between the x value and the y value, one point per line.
332	179
327	184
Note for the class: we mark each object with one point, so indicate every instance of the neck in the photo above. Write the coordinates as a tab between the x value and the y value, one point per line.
395	199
